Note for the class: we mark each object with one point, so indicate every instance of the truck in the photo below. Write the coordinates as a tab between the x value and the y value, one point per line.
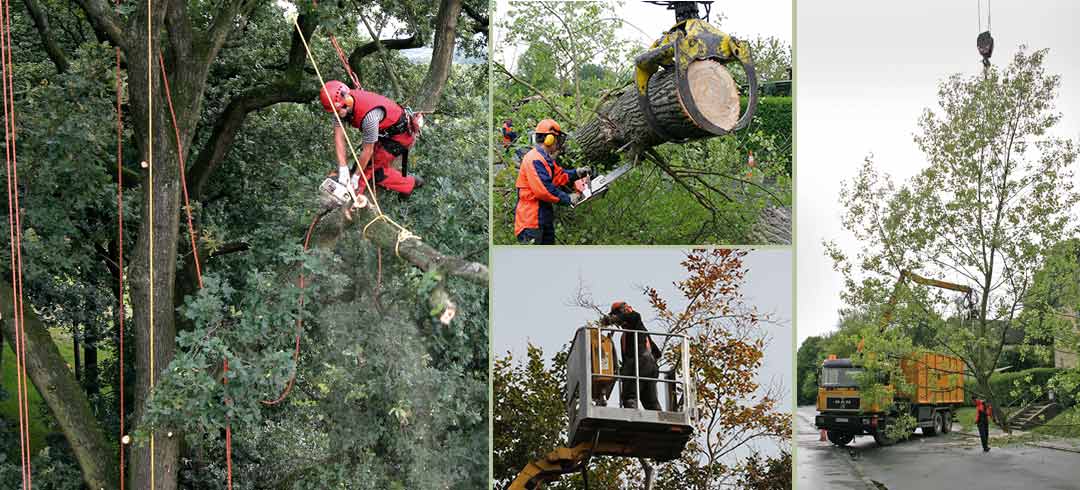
935	385
936	390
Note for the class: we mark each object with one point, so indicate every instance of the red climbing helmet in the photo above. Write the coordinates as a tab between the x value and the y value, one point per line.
334	96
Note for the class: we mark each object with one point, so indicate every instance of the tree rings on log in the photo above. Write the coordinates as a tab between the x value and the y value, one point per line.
715	92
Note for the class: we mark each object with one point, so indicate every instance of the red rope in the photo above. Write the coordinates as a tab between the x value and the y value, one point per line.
195	250
299	326
15	234
183	170
341	56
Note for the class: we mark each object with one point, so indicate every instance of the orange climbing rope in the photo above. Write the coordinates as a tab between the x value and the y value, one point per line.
15	236
194	249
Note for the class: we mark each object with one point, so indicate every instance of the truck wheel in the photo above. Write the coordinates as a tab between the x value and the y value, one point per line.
946	426
840	438
933	431
882	439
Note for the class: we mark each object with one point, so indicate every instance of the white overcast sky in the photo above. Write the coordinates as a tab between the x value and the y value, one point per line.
864	73
532	286
745	19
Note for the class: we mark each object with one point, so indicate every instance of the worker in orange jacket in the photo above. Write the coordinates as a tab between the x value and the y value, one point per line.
983	413
538	186
508	134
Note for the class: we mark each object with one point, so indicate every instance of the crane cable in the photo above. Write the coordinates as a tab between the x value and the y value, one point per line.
15	235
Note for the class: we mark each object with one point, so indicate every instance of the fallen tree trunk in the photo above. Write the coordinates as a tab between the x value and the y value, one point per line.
621	122
621	126
411	248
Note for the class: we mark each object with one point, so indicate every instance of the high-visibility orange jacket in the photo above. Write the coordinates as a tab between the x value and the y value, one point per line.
538	181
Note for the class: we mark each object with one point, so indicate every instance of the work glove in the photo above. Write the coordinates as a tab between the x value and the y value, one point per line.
343	175
583	171
575	198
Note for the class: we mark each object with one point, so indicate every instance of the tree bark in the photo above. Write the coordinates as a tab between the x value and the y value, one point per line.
41	23
66	400
385	235
621	122
442	55
152	299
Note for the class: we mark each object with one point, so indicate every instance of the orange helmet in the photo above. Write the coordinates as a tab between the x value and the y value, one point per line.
549	132
333	96
620	306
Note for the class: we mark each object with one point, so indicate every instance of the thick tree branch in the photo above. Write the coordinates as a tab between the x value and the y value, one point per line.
442	56
224	23
481	20
66	399
100	15
230	248
285	89
388	237
397	44
41	23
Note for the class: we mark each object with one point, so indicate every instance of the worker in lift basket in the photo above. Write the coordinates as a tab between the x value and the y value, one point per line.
538	186
643	363
388	131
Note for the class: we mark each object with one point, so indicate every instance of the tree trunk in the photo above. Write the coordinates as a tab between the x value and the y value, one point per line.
154	459
66	400
90	364
621	121
442	55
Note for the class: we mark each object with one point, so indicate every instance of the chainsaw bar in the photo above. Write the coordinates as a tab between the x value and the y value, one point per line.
600	184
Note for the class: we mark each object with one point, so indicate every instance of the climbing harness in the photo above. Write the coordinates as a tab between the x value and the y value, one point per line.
692	39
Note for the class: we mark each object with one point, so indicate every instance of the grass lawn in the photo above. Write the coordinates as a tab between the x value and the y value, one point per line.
1065	424
966	417
9	406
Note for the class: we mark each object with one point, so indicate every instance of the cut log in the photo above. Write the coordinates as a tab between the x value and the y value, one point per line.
621	121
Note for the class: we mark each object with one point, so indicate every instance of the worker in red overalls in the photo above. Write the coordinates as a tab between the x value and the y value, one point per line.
639	359
388	132
983	414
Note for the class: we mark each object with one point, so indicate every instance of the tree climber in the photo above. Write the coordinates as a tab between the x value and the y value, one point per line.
647	357
388	132
508	134
538	186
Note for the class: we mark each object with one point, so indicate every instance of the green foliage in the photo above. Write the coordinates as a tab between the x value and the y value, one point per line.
1065	424
807	364
1016	389
767	473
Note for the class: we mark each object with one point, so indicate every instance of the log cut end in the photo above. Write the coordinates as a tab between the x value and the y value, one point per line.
715	92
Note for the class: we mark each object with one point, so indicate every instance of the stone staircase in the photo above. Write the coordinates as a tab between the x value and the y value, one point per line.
1033	415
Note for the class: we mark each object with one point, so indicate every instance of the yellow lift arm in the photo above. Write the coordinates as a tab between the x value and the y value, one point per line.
906	275
561	461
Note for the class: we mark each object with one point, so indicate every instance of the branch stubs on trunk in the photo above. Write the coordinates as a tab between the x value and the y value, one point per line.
621	121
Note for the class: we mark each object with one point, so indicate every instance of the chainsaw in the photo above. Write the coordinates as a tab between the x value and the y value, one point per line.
589	187
334	194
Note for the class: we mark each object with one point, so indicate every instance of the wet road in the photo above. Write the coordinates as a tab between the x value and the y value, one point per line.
945	462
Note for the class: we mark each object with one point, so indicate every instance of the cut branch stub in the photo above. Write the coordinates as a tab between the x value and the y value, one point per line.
621	122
